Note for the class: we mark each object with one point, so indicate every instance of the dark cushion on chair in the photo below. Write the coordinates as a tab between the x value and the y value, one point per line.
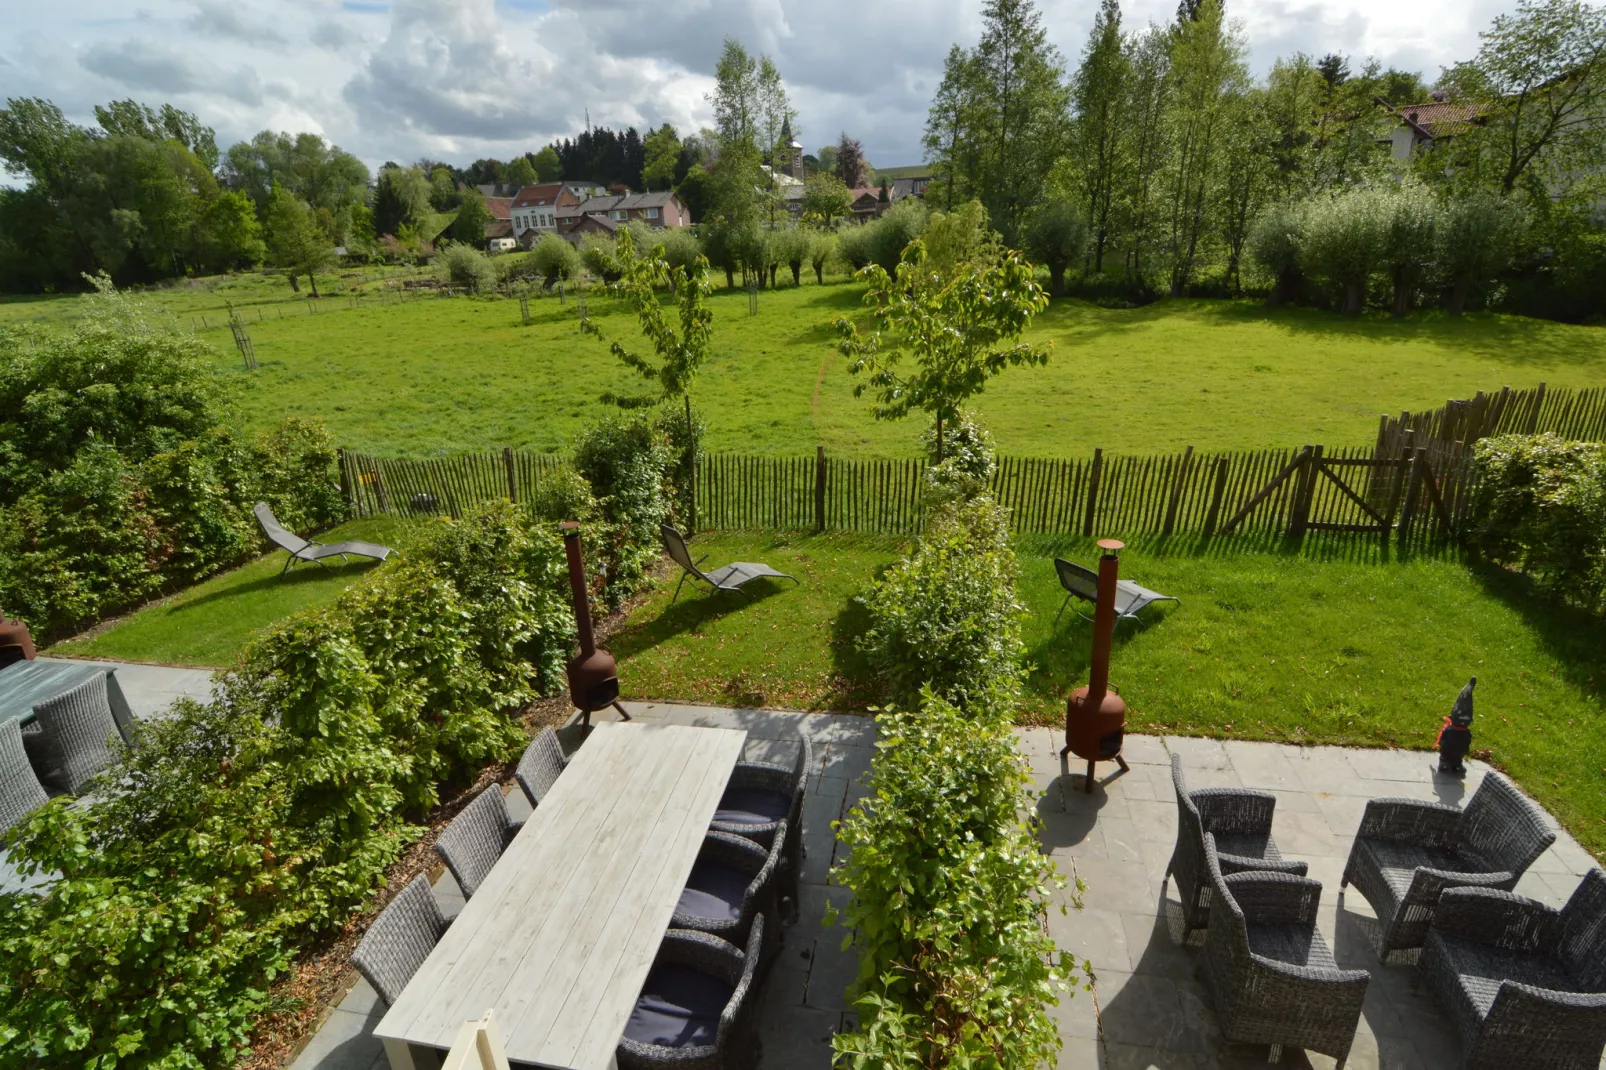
679	1007
1480	969
752	806
714	892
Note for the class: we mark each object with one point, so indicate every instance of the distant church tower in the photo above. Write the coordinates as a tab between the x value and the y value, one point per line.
790	151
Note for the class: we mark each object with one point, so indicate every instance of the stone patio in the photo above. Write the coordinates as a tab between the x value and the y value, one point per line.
1143	1006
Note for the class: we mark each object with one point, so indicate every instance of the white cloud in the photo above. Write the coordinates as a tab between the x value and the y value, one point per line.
469	78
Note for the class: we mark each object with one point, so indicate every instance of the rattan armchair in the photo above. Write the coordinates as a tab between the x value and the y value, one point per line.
1270	974
540	766
1240	820
71	737
1524	983
696	1008
20	791
1408	852
400	939
476	838
762	800
731	883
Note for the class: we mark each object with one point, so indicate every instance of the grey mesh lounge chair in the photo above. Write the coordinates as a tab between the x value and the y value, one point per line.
300	549
540	766
1240	820
695	1011
476	838
70	739
729	578
400	939
1083	583
1407	852
20	791
731	883
1269	972
1525	984
761	800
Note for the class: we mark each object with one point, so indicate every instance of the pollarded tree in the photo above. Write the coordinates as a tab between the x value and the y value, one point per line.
822	247
556	260
791	246
1345	241
1277	242
1478	235
1410	240
1056	236
960	331
677	354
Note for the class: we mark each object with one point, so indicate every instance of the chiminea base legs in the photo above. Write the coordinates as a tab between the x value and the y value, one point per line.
1087	782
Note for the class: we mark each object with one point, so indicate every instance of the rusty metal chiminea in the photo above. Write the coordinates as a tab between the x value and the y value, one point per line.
1095	717
593	681
15	642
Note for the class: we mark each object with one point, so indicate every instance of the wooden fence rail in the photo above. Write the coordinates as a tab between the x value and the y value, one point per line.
1452	430
1419	493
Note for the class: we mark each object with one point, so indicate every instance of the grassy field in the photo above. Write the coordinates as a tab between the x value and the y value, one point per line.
207	625
435	375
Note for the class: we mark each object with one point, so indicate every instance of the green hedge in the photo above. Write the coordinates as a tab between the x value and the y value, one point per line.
241	827
1540	504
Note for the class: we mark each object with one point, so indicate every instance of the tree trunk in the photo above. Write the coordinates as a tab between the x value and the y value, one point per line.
1056	279
819	274
295	284
1402	294
1098	254
730	279
312	278
1284	289
1354	296
797	274
1458	296
773	269
939	436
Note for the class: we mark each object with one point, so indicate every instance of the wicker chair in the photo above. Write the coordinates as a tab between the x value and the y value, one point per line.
761	800
1241	823
400	939
476	838
20	792
1525	984
695	1011
1407	852
1269	972
70	738
540	766
731	883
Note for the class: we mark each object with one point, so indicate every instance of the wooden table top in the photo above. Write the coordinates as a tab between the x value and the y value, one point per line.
559	938
27	683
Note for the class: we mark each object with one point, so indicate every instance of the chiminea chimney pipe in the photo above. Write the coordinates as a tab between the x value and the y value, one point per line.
577	586
1103	621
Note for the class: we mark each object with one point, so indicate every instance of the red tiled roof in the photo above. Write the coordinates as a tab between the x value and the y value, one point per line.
499	228
499	207
1437	118
529	196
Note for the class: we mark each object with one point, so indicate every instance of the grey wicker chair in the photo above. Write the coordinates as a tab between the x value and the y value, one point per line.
1407	852
70	739
1524	983
731	883
1240	820
20	791
762	799
400	939
540	766
1269	972
696	1008
476	838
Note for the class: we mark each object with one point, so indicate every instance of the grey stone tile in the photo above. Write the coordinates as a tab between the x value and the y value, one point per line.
1035	740
1155	820
1118	1056
345	1041
765	750
1090	935
1153	949
1153	1011
830	973
1198	753
795	1038
829	787
1080	1053
362	999
1262	765
1122	839
845	760
1071	835
1146	750
1301	835
1119	886
1076	1016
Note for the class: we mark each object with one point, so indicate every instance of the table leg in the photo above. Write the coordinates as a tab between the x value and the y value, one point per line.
121	712
405	1056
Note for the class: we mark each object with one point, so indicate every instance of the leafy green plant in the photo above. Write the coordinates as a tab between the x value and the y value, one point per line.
624	459
555	259
469	268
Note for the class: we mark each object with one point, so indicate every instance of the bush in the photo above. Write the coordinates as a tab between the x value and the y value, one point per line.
600	257
791	247
680	245
1276	239
469	268
624	459
948	883
891	234
239	828
555	260
822	250
1540	504
854	245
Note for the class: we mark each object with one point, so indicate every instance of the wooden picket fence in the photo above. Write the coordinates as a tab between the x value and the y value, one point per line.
1265	492
1451	430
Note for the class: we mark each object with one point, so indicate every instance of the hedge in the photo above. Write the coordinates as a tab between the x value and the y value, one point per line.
240	828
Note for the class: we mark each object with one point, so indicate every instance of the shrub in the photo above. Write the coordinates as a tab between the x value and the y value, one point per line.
854	245
948	883
469	268
555	259
892	233
946	618
822	250
1276	240
1540	504
683	430
624	459
791	247
680	246
240	827
964	467
600	257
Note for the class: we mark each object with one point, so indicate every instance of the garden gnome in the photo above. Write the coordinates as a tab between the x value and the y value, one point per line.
1455	735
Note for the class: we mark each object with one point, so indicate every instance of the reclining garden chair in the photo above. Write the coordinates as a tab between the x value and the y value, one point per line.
302	550
1083	583
729	578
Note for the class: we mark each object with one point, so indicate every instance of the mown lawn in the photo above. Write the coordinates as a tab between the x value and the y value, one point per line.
1336	645
207	625
435	375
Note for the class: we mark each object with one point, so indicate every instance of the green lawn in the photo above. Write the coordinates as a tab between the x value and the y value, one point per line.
206	625
1334	646
453	374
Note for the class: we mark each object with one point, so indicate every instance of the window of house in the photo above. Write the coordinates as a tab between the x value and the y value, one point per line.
616	214
652	213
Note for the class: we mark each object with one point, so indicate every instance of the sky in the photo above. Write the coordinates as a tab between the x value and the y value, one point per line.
463	79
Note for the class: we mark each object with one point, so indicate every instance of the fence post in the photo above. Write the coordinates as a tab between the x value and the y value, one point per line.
345	483
1413	490
1176	492
1304	491
1533	412
819	488
1216	495
691	437
1093	491
512	475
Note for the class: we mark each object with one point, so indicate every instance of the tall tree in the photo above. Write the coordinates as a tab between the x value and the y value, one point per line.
851	166
295	242
950	140
1100	95
472	219
128	118
731	230
401	197
661	169
520	172
1146	146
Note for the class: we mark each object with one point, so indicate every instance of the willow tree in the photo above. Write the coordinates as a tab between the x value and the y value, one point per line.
1099	93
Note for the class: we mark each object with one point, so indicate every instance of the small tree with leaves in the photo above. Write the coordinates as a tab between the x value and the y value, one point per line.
295	241
961	331
677	354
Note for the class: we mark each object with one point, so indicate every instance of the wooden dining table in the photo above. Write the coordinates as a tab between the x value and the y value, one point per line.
558	940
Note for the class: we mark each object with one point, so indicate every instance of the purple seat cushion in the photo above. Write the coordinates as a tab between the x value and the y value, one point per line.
678	1008
713	892
751	806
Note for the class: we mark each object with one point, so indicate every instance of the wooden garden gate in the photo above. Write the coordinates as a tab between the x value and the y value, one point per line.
1367	495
